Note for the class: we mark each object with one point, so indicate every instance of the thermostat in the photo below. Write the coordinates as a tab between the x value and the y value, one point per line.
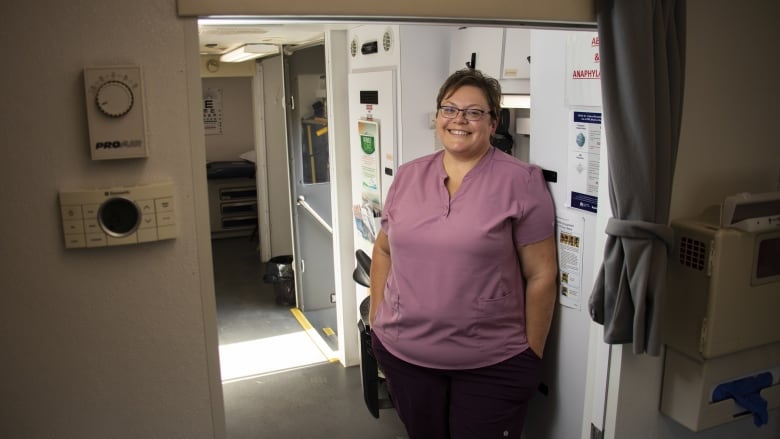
115	112
118	216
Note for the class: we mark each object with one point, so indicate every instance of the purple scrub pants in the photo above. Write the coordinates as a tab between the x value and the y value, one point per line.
488	402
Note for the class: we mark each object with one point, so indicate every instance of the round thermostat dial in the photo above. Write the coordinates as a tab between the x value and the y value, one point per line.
119	217
114	98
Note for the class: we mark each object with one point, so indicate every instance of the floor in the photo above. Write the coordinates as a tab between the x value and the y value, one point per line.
318	400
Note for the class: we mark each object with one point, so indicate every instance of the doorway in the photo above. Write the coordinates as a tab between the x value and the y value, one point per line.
260	330
576	407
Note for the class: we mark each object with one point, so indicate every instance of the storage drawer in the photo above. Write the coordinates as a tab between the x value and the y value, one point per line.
239	222
237	193
238	207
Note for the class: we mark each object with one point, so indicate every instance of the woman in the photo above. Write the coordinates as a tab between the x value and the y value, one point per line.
463	276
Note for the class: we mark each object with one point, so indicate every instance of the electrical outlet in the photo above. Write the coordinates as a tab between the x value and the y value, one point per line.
332	297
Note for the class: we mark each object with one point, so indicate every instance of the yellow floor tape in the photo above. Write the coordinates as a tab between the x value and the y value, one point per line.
315	336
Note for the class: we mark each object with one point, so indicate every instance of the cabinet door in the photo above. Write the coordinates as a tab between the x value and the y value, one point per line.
517	49
485	42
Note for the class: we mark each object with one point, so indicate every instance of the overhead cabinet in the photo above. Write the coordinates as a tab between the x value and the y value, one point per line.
477	47
517	53
502	53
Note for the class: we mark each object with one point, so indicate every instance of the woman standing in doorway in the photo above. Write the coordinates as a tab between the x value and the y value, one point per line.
463	276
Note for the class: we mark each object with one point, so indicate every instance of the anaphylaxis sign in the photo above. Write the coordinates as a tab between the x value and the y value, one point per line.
583	71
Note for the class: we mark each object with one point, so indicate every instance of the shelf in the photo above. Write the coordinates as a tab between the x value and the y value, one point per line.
232	206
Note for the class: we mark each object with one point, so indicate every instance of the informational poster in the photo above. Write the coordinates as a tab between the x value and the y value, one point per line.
583	71
212	111
370	208
569	232
584	145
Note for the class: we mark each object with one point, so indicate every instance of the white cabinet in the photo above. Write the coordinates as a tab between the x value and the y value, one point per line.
485	44
499	52
517	51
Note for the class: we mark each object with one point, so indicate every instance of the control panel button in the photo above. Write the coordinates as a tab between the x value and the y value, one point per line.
164	204
91	226
96	240
91	210
147	234
165	219
73	227
148	220
75	241
71	212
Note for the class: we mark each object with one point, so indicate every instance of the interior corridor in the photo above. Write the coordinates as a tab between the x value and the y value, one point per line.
319	400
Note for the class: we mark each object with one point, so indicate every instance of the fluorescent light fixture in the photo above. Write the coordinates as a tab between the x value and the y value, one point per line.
515	101
249	51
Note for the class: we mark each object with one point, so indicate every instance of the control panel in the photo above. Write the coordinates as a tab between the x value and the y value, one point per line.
115	112
118	216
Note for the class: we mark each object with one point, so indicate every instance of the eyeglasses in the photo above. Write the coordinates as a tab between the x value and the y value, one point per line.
472	114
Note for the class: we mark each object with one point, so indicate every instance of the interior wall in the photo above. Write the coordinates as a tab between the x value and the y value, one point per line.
730	110
728	145
559	414
104	342
423	69
237	136
212	67
566	11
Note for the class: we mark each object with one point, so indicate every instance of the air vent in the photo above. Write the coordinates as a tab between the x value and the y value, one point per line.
387	40
693	253
353	47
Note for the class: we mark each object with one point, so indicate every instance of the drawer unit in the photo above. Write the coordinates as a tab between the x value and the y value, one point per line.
232	206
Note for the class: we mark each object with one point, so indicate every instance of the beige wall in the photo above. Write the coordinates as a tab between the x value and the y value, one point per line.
729	140
574	11
111	342
212	67
238	132
121	342
728	144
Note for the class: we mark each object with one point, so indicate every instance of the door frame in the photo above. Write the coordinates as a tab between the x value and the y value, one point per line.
566	14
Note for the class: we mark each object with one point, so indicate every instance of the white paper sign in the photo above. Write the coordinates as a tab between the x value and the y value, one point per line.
569	232
212	111
583	71
584	146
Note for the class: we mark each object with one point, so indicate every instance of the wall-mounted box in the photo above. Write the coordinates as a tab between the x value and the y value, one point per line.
720	319
688	385
723	288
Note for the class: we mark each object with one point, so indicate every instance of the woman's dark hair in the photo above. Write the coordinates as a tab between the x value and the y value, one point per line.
489	86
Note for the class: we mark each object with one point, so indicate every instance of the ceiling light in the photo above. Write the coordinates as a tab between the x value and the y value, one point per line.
249	51
515	101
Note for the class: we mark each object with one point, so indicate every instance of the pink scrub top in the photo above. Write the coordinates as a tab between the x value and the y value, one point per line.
455	296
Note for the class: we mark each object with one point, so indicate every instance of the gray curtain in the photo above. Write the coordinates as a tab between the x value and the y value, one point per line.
642	50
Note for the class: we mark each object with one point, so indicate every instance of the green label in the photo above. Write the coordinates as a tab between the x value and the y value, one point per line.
367	143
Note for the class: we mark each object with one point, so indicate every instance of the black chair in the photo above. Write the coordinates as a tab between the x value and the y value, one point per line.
375	393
